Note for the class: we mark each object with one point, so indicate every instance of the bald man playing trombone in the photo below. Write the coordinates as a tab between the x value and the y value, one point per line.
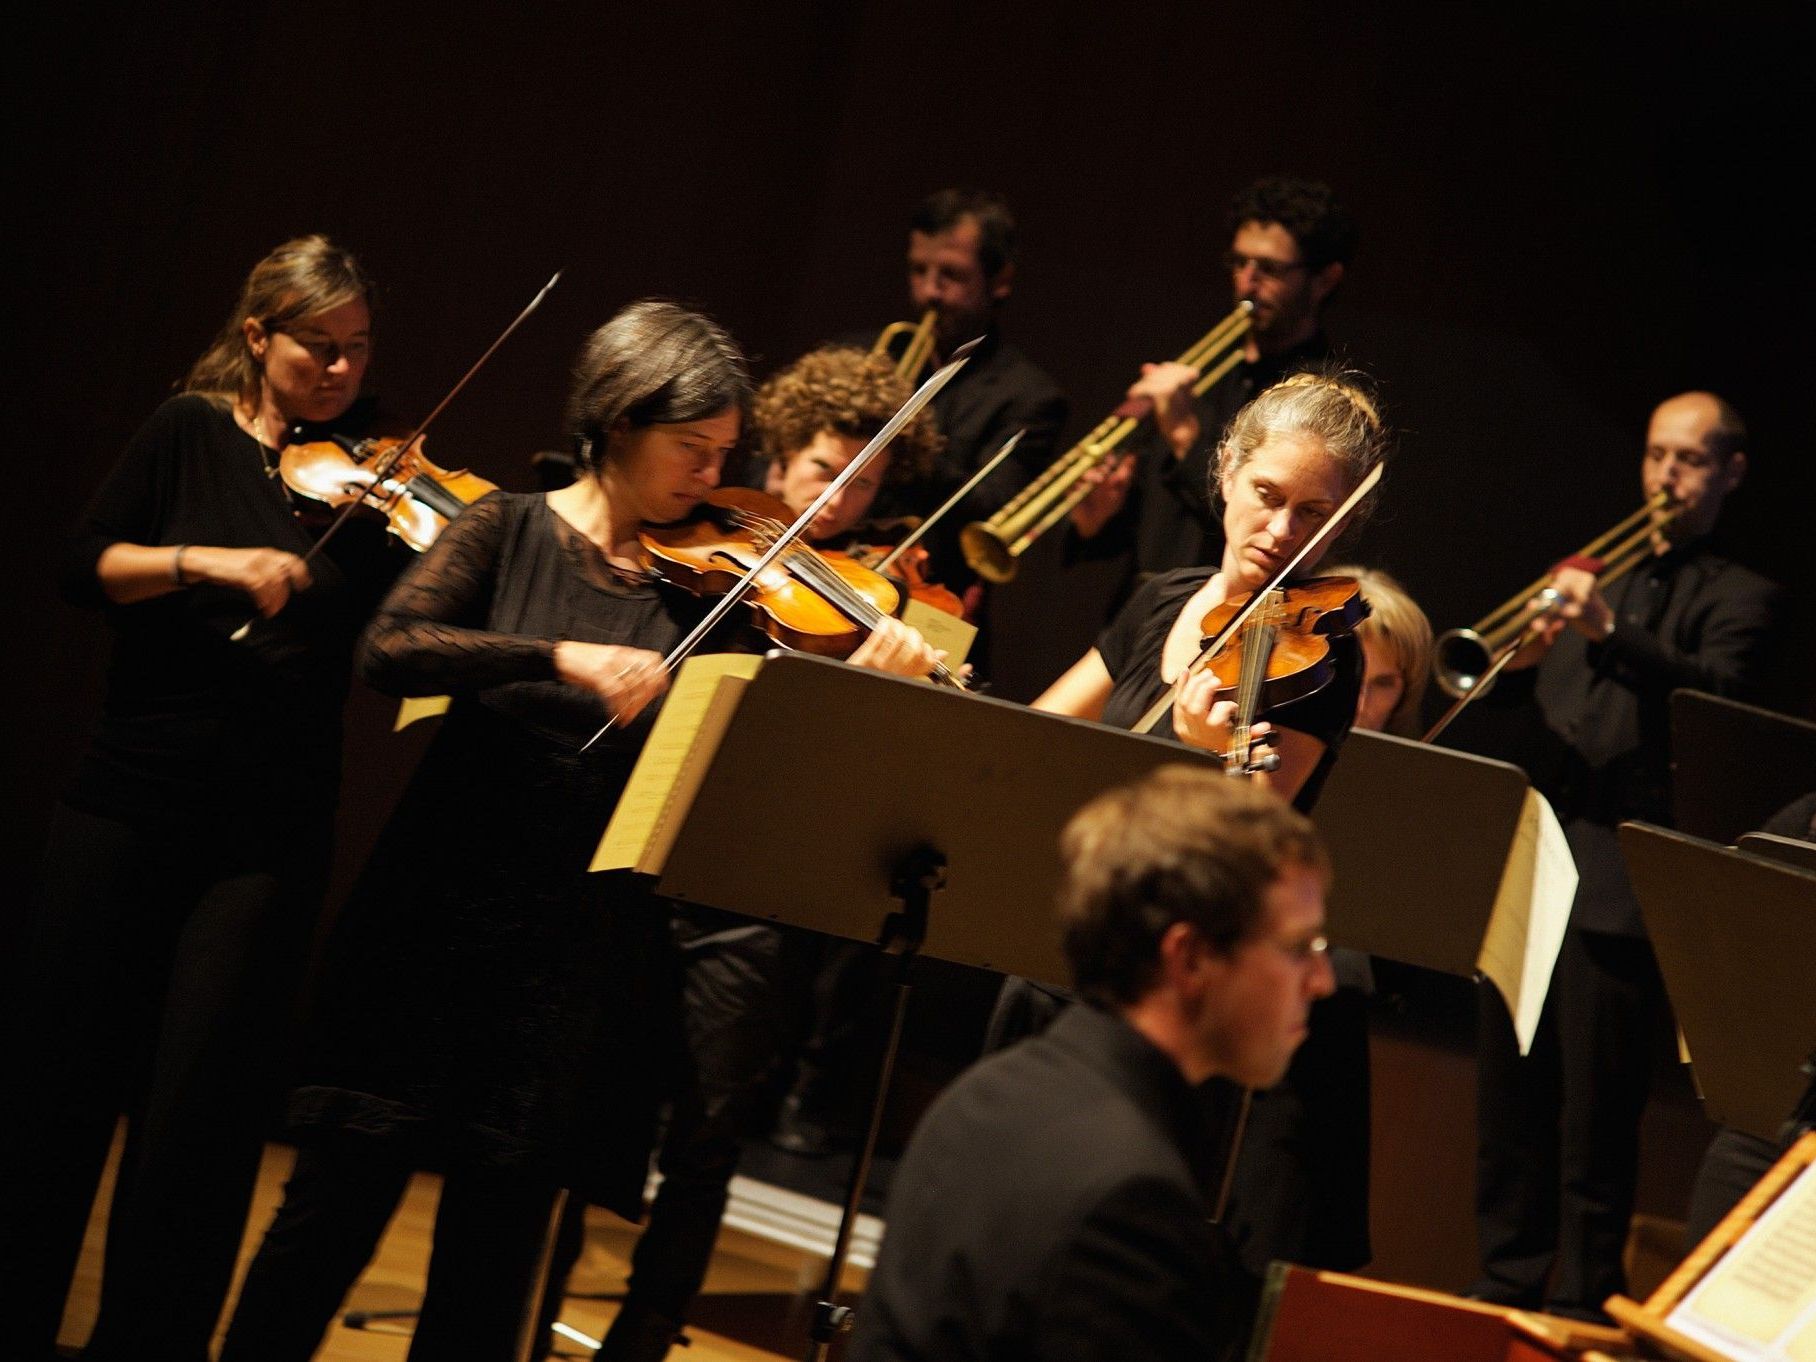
1558	1130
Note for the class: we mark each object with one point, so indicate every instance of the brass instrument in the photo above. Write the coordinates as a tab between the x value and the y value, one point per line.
992	546
917	352
1465	662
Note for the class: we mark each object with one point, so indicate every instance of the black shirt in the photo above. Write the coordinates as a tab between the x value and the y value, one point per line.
1053	1204
196	726
1132	645
1601	750
998	392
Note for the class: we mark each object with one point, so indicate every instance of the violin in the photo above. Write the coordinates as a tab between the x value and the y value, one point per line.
912	564
815	601
1279	653
389	476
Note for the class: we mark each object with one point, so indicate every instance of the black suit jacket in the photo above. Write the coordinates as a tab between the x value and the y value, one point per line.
1048	1208
998	392
1602	752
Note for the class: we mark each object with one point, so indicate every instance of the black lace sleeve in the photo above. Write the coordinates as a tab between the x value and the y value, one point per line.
429	636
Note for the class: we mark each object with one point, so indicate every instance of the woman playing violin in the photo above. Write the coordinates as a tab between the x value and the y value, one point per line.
186	860
743	982
1288	461
489	1009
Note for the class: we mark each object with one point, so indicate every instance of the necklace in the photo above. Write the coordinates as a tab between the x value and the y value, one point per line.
249	426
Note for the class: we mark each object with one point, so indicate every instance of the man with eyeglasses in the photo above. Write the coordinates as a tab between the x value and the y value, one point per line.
1290	245
1056	1200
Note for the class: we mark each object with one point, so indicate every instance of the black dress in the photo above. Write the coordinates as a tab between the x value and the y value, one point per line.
488	1008
178	896
486	1002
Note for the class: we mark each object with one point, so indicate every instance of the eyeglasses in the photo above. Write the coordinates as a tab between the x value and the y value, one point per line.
1302	952
1266	268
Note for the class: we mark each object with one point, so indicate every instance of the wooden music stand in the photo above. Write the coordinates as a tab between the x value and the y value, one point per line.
1418	837
1748	1291
1733	765
1735	936
948	847
1789	850
1309	1316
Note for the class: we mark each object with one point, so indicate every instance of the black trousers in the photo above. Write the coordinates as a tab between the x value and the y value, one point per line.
1557	1157
490	1231
158	978
744	990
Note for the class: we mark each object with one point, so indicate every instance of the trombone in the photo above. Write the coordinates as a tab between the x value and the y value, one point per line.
917	352
1465	662
992	546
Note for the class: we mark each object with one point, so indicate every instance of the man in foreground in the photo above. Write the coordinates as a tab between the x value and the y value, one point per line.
1056	1201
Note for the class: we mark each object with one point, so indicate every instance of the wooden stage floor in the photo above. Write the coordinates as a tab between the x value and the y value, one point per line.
755	1307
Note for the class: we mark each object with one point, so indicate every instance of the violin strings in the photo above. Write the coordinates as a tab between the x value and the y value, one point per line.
820	575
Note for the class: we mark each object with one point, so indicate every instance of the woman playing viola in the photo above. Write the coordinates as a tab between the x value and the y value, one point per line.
186	861
489	1009
1288	461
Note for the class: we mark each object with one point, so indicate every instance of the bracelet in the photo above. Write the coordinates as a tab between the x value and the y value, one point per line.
176	565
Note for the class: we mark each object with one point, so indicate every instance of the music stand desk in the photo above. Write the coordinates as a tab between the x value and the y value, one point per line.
1735	936
1734	765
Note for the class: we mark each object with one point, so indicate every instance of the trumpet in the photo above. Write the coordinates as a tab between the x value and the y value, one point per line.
917	352
992	546
1465	662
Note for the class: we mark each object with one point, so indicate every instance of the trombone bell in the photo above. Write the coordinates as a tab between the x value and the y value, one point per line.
1459	660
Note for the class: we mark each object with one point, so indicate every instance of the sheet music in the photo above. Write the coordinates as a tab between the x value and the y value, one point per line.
1758	1303
419	707
941	630
640	808
1531	910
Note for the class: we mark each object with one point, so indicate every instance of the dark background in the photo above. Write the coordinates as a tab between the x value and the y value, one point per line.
1565	216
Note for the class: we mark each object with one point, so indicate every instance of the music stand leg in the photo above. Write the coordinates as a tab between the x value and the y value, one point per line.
920	873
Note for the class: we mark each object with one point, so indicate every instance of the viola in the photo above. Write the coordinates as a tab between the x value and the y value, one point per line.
816	601
386	476
1280	653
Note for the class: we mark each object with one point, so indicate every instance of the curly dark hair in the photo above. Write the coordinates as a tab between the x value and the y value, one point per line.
847	392
1308	209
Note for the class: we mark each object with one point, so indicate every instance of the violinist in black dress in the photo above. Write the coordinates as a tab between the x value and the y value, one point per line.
488	1009
1288	461
182	881
745	983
